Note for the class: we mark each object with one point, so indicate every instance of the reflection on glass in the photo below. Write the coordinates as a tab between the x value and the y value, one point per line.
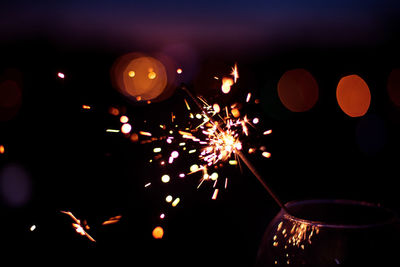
331	232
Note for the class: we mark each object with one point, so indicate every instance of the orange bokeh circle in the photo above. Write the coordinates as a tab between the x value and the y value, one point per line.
393	86
140	77
298	90
353	95
158	232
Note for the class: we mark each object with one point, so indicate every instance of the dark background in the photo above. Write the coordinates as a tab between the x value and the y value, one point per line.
74	165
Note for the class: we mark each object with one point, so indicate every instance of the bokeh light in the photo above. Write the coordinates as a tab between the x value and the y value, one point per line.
226	85
61	75
158	232
126	128
353	95
15	185
298	90
139	77
10	99
165	178
393	86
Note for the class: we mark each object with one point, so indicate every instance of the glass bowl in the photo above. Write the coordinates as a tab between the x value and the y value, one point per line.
328	232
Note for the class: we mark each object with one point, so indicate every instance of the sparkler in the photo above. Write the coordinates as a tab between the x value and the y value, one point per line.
224	142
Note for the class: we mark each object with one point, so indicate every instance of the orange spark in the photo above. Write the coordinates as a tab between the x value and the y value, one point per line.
144	133
248	97
235	73
86	107
267	132
158	232
77	226
214	197
266	154
112	220
226	85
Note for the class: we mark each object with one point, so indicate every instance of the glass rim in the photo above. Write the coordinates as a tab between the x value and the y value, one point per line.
321	224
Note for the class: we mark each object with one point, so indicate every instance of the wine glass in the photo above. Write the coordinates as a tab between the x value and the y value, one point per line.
331	232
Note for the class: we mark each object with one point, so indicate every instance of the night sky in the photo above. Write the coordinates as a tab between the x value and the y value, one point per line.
64	159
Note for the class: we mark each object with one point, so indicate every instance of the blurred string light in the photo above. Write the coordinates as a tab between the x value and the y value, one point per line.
353	95
393	86
141	78
10	94
298	90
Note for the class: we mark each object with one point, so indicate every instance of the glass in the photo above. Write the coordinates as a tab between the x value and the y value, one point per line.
331	232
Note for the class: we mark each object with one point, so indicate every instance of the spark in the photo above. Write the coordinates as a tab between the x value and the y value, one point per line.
214	196
77	226
248	97
32	228
187	104
226	85
86	107
112	131
168	198
145	133
235	73
61	75
266	154
267	132
179	71
147	185
123	119
126	128
214	176
176	202
157	149
216	108
165	178
2	149
112	220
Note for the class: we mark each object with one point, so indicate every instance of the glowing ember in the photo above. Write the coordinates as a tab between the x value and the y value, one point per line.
165	178
112	220
235	73
126	128
77	226
61	75
215	194
176	202
123	119
226	85
168	198
158	232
